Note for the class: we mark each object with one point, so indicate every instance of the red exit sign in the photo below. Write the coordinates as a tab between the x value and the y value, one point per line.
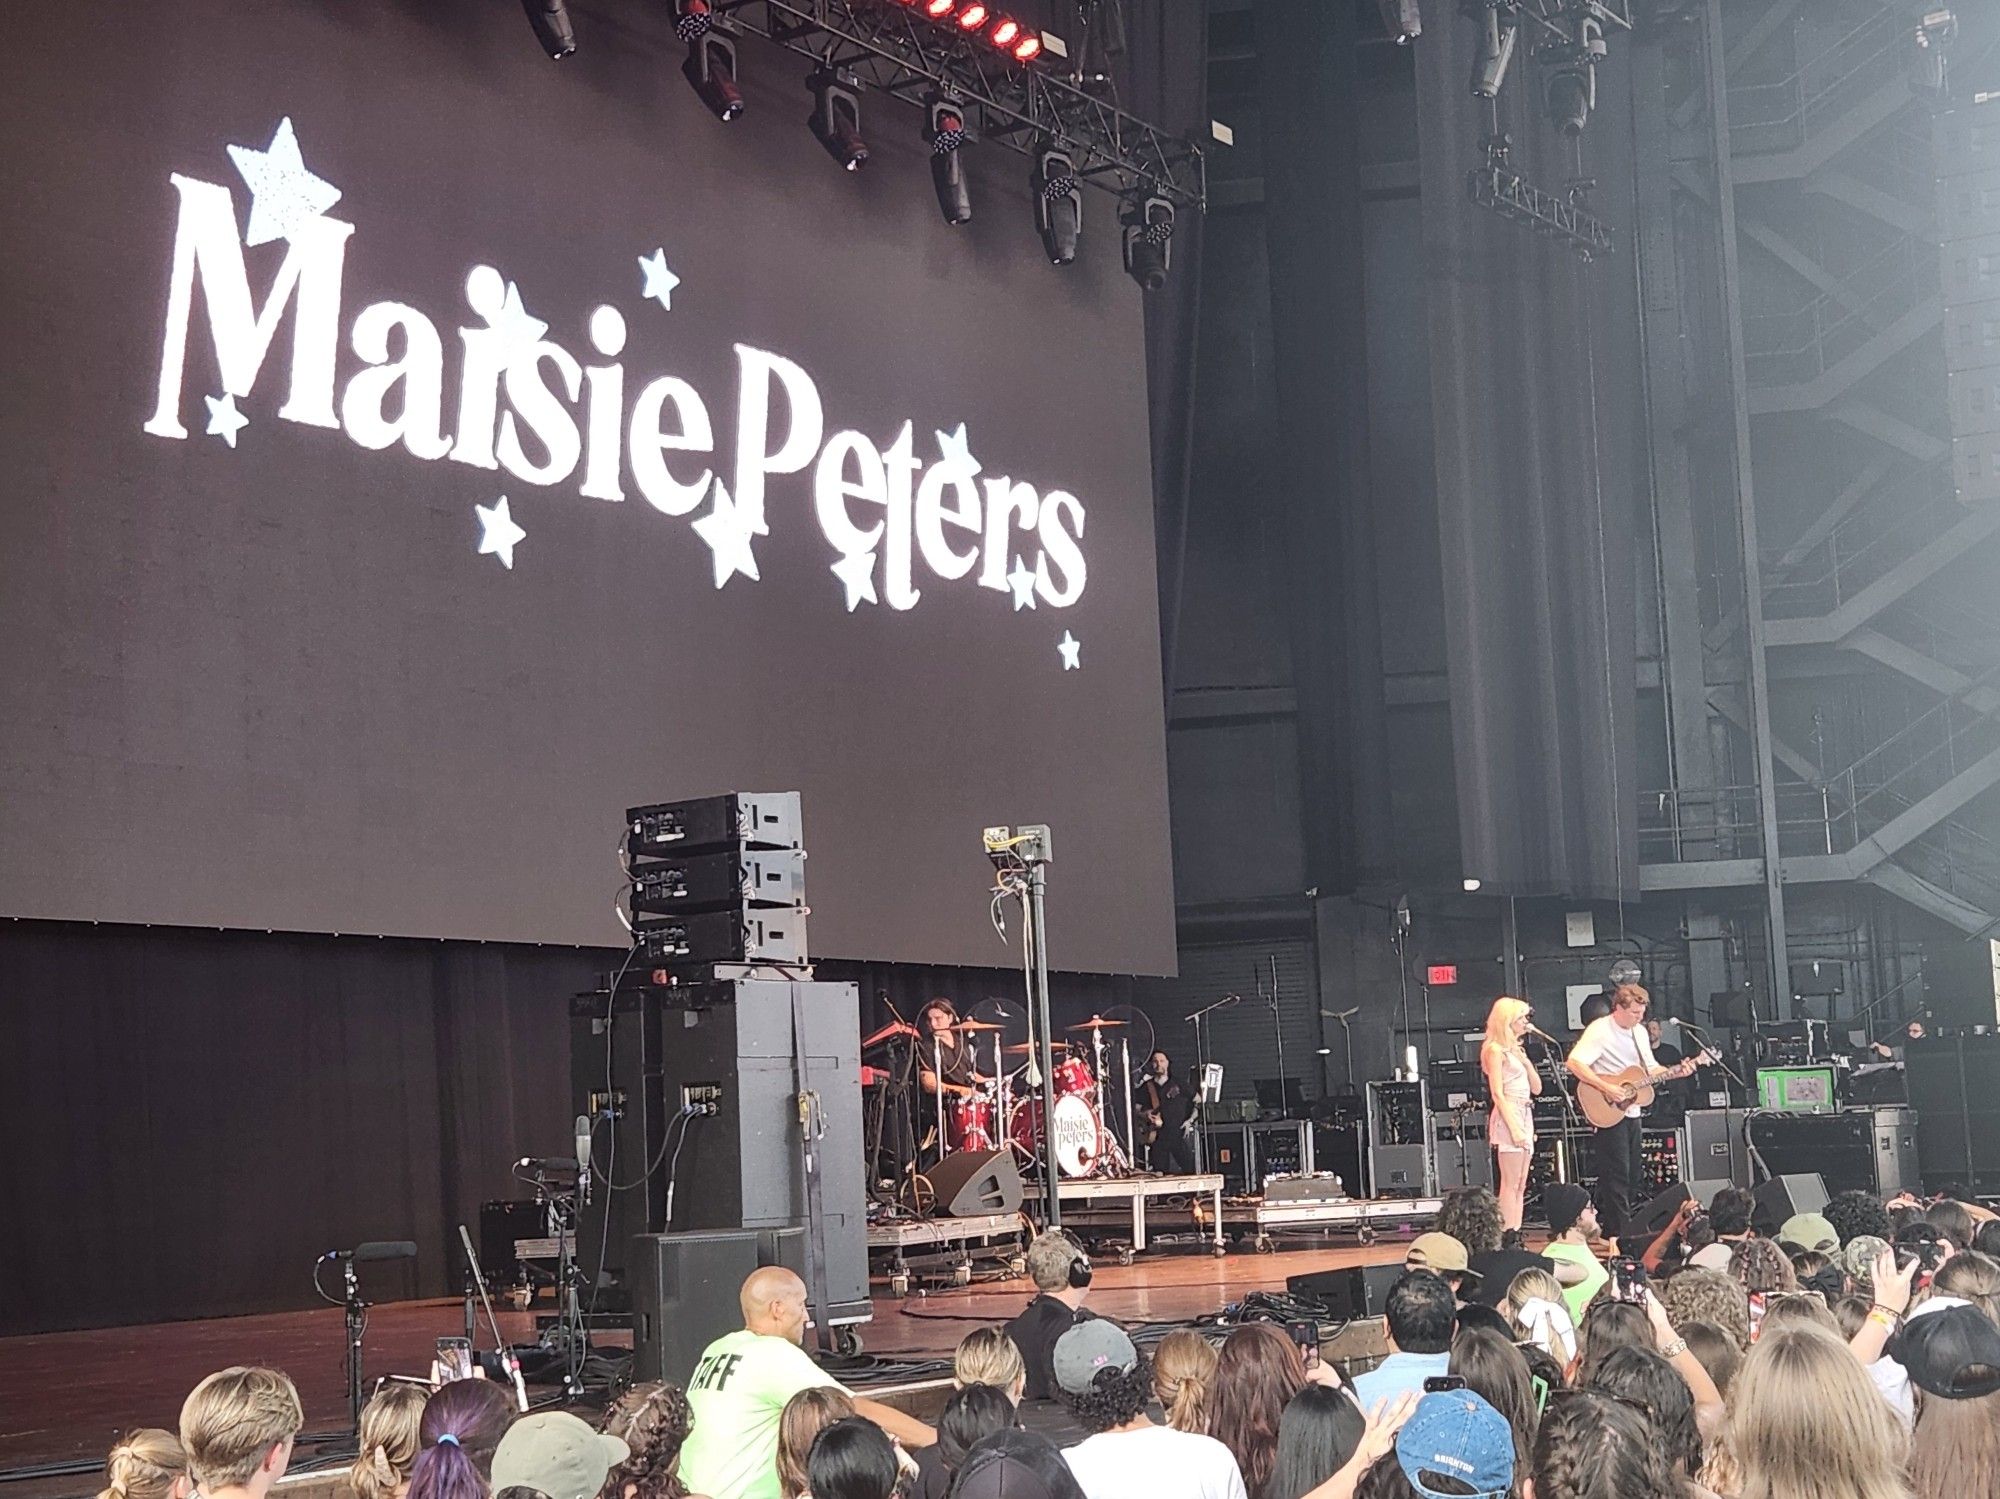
1441	973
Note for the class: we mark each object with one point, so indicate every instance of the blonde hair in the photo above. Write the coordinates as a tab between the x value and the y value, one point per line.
390	1440
986	1355
1500	1020
232	1420
1972	1277
1805	1420
805	1416
144	1465
1183	1369
1532	1284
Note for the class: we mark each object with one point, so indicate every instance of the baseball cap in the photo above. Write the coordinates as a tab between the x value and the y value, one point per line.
1563	1203
1809	1231
1860	1254
1953	1352
1088	1347
1456	1434
1439	1253
556	1453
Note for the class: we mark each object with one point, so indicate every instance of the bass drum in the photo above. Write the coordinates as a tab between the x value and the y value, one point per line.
1075	1136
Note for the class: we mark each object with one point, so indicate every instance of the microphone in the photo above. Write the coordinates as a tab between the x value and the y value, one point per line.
584	1133
1537	1030
374	1249
559	1163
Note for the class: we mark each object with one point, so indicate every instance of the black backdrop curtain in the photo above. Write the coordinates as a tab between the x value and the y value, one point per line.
1167	46
196	1116
1313	231
1537	414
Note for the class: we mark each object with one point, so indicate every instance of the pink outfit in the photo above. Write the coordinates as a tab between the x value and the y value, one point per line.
1514	1084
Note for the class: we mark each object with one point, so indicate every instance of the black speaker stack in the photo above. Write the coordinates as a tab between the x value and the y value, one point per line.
692	1059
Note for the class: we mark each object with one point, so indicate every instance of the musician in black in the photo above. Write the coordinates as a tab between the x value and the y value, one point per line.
943	1056
1160	1107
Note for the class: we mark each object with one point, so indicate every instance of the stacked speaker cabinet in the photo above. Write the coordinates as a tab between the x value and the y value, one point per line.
725	1046
1955	1091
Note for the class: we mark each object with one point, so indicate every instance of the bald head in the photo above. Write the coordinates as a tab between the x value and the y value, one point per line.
774	1303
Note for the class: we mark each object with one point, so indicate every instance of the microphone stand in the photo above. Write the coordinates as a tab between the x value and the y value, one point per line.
356	1312
1201	1085
1559	1076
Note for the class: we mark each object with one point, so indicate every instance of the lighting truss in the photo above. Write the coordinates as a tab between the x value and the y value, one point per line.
901	52
1499	187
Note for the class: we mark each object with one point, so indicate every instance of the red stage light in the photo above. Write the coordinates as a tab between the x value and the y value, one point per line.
1005	34
938	9
1029	48
973	17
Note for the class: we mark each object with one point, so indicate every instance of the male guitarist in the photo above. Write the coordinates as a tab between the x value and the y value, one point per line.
1613	1058
1161	1107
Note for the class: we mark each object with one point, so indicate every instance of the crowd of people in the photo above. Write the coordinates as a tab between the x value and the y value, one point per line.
1853	1354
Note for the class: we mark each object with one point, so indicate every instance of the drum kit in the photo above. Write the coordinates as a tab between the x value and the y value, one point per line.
1081	1142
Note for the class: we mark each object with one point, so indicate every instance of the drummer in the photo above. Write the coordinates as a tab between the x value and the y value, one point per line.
942	1051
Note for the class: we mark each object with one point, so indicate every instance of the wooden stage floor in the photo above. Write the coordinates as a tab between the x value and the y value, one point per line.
66	1396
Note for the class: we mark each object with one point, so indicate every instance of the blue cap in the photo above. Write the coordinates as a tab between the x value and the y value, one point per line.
1455	1434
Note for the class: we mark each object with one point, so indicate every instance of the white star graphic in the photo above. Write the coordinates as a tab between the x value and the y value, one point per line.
519	330
224	420
1023	583
728	534
953	452
497	532
857	571
283	194
1069	648
660	282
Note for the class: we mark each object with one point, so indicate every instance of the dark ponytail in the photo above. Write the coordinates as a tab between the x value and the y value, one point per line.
462	1425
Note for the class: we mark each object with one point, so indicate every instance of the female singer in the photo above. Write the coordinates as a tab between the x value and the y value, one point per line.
1511	1081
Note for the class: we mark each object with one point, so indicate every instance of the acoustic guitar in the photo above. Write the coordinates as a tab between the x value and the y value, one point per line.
1634	1086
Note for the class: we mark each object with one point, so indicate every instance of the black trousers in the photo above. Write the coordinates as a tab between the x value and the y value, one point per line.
1620	1175
1171	1152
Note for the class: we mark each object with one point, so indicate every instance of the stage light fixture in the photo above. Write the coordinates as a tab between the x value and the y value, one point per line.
1028	48
1005	34
1571	90
1497	35
944	125
973	17
937	10
550	18
836	117
710	70
1402	20
1058	203
1148	239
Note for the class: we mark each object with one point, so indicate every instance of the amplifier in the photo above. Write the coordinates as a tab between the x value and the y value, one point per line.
1464	1155
1358	1291
1955	1091
740	819
683	1291
702	882
1320	1186
1713	1148
754	936
1856	1150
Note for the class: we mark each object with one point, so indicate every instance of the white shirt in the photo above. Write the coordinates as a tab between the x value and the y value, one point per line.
1154	1463
1606	1046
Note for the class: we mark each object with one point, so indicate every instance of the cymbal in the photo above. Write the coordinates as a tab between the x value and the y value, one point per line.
974	1025
1023	1049
1099	1023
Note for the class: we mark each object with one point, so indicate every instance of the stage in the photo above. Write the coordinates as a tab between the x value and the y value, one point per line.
66	1396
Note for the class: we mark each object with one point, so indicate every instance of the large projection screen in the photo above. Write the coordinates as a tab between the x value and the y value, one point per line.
417	451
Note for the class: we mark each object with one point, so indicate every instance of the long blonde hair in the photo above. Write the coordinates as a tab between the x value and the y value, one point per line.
1183	1370
391	1437
1500	1021
1806	1422
144	1465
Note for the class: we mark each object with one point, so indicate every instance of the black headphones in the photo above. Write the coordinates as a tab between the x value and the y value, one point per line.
1079	1266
